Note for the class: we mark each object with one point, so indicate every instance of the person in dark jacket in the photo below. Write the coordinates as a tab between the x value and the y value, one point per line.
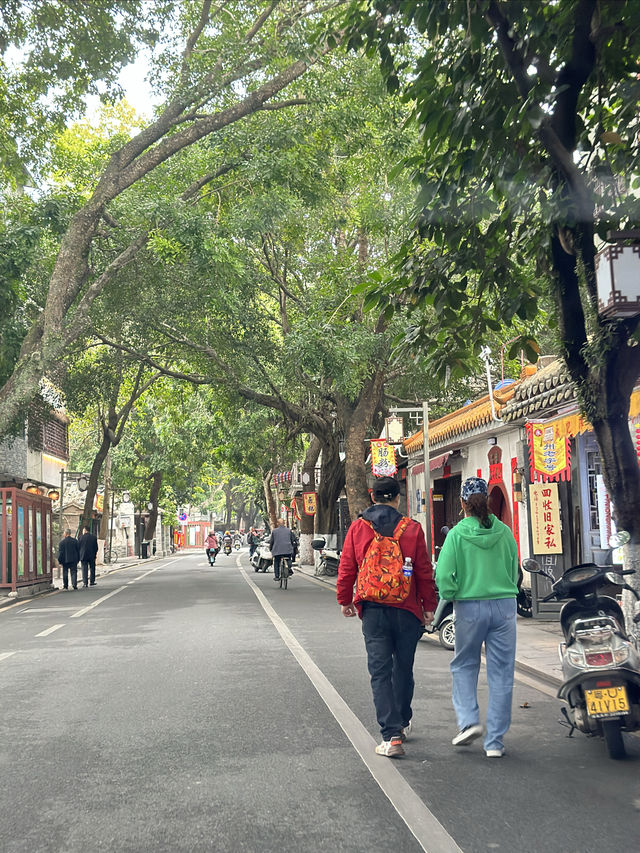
391	631
282	543
68	556
88	547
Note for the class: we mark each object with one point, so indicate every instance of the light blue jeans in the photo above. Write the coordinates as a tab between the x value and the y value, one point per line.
494	624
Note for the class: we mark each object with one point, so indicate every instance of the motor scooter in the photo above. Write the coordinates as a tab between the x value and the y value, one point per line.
262	558
226	548
212	553
600	662
329	558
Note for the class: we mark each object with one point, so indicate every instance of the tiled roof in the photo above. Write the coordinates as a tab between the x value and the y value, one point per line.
547	389
463	420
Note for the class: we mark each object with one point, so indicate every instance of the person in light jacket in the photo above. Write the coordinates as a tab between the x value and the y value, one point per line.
478	570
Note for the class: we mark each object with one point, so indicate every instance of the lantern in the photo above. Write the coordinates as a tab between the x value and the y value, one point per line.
618	275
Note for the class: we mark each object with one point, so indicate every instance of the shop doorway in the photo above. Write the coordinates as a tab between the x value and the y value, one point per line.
445	503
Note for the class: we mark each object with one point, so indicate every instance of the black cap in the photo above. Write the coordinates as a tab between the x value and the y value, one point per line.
386	488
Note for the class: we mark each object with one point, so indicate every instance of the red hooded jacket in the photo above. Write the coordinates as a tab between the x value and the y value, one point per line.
422	595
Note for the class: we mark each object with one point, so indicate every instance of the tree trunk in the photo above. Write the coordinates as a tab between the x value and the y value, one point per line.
356	421
106	520
269	498
94	476
329	488
154	495
307	522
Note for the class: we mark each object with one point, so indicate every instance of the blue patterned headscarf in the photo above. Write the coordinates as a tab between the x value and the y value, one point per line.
474	486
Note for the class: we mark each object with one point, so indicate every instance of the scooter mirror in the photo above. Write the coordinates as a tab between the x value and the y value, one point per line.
614	577
619	538
531	565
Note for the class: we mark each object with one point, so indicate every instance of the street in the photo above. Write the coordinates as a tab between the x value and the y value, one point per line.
178	707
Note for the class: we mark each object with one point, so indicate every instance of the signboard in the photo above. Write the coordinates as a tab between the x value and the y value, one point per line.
394	429
183	516
309	502
549	453
544	502
383	458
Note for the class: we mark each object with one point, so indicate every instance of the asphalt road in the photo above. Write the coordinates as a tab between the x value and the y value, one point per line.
177	707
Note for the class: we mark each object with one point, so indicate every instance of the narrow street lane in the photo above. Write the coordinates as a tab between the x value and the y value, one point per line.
173	708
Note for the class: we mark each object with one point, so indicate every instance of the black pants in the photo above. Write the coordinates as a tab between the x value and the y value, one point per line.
391	635
277	562
88	571
73	568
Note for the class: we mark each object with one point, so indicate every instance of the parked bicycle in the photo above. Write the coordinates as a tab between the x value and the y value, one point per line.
113	554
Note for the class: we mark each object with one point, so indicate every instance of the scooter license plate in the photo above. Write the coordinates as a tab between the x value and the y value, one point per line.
607	701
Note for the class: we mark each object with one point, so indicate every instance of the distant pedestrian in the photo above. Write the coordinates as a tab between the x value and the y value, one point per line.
252	540
478	570
282	543
68	556
394	602
88	548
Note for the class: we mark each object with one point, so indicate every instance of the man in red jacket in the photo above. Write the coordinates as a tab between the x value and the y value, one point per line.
391	631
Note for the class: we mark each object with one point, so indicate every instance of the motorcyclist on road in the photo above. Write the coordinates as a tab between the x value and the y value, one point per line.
211	545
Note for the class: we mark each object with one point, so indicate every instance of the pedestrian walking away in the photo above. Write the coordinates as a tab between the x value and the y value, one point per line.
385	557
282	543
478	570
88	550
68	557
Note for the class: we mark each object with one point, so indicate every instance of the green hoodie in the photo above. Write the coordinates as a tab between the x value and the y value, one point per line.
478	562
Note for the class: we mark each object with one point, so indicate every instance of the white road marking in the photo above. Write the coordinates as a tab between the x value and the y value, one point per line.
96	603
5	655
48	631
113	592
421	822
43	610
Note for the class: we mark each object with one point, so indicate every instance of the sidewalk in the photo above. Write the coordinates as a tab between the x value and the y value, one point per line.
537	648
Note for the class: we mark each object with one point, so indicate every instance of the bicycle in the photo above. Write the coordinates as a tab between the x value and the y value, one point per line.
112	555
285	571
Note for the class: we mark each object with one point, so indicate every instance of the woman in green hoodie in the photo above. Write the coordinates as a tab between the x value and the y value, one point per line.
478	570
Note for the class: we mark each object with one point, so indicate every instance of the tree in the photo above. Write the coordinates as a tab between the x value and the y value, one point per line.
529	117
237	58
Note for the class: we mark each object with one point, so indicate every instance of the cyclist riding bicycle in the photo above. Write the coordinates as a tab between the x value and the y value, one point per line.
282	543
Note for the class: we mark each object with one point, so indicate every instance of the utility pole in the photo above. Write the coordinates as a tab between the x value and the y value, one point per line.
427	476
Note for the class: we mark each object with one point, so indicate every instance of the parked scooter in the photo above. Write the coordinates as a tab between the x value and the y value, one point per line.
329	558
600	662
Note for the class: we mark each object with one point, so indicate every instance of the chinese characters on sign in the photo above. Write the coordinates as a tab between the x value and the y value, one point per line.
549	453
383	458
309	502
545	518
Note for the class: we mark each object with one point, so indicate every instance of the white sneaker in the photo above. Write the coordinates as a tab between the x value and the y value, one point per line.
494	753
467	734
391	748
405	732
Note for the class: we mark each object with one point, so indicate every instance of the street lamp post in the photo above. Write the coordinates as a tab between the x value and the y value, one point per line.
427	475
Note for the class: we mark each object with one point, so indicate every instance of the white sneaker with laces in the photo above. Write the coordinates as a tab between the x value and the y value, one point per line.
467	734
391	748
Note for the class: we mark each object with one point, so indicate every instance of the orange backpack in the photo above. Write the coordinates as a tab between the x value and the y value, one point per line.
380	576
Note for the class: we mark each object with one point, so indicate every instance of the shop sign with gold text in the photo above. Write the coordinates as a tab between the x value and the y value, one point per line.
544	502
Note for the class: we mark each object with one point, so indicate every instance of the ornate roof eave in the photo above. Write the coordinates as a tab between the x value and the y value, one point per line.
463	422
